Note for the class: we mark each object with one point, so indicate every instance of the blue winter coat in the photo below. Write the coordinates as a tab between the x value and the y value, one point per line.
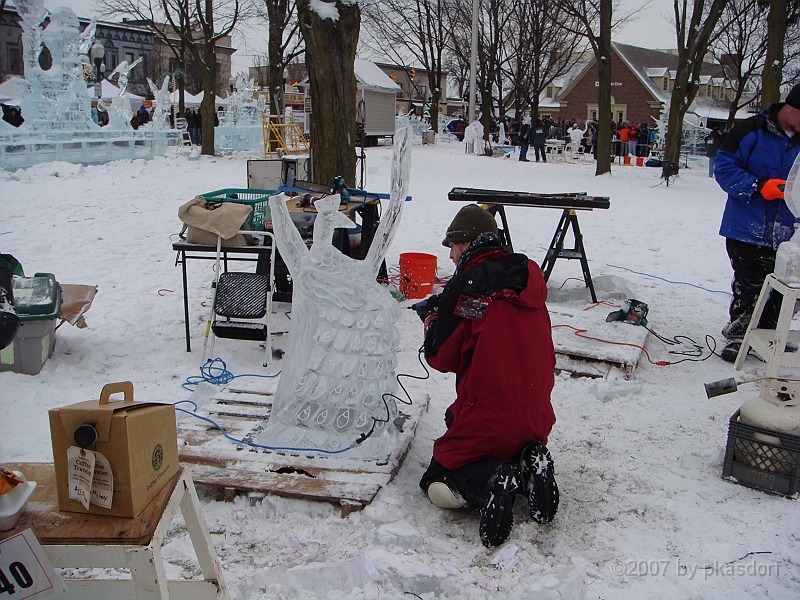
757	148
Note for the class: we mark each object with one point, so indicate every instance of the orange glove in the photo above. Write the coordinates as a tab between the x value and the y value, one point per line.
771	189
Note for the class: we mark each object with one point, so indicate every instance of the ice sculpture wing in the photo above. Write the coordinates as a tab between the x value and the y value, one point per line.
401	169
290	243
86	38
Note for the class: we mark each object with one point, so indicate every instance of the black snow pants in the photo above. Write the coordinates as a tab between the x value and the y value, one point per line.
472	481
751	265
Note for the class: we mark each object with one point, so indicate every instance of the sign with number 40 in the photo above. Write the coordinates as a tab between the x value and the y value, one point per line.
25	571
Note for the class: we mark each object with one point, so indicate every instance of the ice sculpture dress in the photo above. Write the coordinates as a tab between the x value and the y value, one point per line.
338	378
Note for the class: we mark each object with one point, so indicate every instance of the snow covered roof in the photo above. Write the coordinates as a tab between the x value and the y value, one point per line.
370	77
656	72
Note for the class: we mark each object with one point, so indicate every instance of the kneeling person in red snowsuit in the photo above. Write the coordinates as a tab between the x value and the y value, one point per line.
491	328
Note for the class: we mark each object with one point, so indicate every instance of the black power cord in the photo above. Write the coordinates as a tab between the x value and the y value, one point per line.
694	353
364	436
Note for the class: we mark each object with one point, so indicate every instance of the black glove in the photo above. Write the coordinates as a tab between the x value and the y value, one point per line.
425	307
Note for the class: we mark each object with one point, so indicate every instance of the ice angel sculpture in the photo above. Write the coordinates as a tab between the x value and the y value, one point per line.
121	112
160	119
338	380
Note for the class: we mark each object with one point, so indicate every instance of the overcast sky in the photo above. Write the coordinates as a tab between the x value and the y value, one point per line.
651	30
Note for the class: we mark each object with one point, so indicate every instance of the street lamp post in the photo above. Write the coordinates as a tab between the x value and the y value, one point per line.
97	52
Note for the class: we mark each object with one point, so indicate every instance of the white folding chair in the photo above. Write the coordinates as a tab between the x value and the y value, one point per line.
182	125
241	303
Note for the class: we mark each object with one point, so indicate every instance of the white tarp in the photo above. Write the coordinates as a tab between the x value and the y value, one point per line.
195	99
109	91
370	77
188	99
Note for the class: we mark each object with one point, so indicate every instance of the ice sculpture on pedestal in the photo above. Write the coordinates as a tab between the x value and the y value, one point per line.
240	126
121	112
787	260
338	380
55	103
160	120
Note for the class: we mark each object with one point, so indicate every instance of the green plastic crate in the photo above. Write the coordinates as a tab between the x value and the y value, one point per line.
257	199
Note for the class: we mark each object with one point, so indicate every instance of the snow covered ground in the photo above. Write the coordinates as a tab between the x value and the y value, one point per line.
644	512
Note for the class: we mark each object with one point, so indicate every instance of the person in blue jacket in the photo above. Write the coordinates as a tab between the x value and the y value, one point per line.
751	166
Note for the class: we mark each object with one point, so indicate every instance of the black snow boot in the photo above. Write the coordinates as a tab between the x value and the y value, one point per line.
731	349
497	516
538	481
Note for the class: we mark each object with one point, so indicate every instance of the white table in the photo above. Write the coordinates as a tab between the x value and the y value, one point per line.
82	540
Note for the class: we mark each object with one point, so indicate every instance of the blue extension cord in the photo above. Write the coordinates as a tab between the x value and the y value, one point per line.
216	372
700	287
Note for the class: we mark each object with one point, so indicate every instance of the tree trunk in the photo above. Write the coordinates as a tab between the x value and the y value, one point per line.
207	107
330	58
276	12
772	76
679	104
603	55
486	114
436	96
534	108
275	88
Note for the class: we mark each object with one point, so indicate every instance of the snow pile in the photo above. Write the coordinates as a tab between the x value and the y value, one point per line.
644	512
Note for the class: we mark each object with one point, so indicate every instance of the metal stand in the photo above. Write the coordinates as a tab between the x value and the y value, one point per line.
770	344
569	218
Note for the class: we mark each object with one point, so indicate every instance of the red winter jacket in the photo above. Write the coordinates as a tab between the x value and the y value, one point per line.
493	331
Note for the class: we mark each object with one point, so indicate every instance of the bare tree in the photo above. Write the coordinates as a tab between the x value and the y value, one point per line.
215	20
150	13
593	20
740	48
285	43
694	27
791	68
546	47
781	16
411	30
330	58
188	25
494	21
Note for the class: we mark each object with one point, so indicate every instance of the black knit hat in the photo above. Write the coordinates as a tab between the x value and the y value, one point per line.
793	99
469	223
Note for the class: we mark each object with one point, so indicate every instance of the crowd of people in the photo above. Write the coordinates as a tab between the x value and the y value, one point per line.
628	139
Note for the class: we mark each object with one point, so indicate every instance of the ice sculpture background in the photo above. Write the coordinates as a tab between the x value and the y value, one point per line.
339	368
56	105
240	125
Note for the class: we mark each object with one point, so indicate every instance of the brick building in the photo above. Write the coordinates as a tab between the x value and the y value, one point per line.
641	85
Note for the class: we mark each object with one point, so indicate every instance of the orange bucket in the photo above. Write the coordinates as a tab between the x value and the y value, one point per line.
627	160
639	161
417	272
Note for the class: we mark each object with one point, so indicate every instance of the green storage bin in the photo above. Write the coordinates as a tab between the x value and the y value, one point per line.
257	199
37	301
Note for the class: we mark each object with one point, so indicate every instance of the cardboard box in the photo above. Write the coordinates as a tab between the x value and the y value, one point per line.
138	439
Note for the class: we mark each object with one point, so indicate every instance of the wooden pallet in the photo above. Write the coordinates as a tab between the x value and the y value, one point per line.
231	467
577	335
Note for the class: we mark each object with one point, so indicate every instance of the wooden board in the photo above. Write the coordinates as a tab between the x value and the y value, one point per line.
54	527
585	337
242	411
